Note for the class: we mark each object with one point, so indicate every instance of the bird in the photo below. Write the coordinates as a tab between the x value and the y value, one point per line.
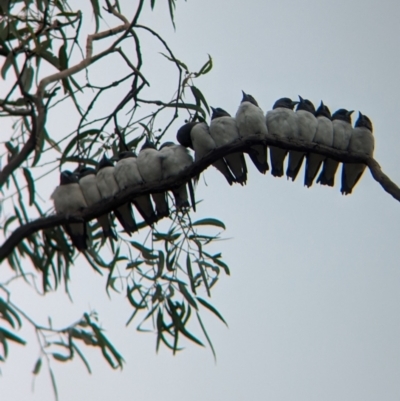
223	130
323	136
250	121
361	141
108	187
68	198
149	165
174	160
127	174
90	190
306	130
281	122
342	130
196	136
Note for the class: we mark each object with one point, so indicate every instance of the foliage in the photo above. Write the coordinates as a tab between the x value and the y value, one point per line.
49	66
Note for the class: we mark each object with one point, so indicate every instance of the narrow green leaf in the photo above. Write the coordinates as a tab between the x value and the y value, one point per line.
199	97
199	245
50	58
147	253
11	261
63	58
39	147
132	265
6	307
74	141
171	347
37	367
160	264
190	336
87	338
176	61
166	237
207	336
4	313
31	185
79	352
134	142
54	384
204	277
12	337
3	342
111	268
171	4
212	309
27	78
159	328
206	67
96	12
8	222
52	143
7	64
60	357
149	314
12	149
137	305
157	296
186	294
171	262
223	265
190	273
209	222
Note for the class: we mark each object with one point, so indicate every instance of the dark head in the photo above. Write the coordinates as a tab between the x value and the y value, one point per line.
285	103
105	162
218	112
323	111
84	171
148	145
306	105
249	98
167	144
66	177
183	135
342	114
364	121
126	154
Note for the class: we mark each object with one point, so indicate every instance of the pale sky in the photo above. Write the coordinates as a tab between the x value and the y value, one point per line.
313	300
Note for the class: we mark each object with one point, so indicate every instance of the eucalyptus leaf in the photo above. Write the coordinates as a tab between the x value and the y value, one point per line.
31	185
209	222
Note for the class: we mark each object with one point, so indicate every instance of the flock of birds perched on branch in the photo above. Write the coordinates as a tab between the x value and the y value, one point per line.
87	186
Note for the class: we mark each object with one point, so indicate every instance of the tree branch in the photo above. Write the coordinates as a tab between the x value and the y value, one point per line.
90	59
18	159
30	145
194	170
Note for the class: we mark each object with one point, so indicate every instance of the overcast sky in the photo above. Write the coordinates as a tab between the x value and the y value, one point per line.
313	301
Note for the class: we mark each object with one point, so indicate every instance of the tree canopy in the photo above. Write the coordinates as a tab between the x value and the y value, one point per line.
48	59
49	66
